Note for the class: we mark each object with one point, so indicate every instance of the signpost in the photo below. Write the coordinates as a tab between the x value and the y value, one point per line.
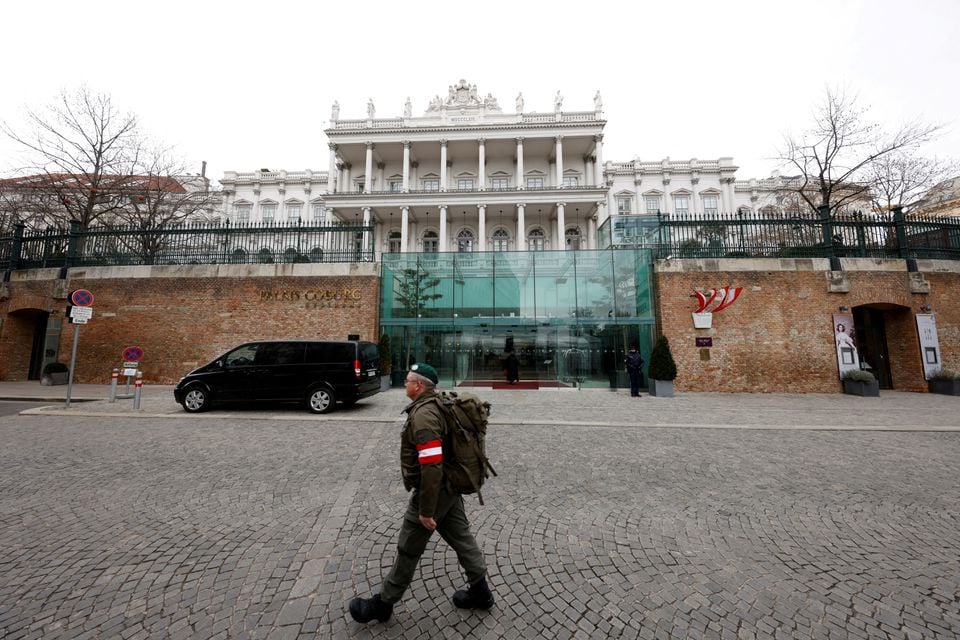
79	313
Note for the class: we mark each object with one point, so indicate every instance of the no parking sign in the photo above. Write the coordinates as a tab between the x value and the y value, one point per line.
132	354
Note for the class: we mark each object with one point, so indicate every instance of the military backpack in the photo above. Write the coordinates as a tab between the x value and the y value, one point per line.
465	463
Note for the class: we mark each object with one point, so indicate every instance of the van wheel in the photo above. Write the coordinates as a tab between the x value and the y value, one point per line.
321	400
196	399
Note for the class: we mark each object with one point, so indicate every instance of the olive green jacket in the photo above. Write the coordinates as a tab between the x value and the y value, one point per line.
424	426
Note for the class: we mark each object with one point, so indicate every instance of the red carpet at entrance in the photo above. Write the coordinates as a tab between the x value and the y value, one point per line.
503	384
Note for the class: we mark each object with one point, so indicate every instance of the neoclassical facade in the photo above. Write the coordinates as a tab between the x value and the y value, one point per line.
466	176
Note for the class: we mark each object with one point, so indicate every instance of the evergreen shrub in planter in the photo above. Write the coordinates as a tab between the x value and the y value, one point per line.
860	383
663	369
54	373
945	381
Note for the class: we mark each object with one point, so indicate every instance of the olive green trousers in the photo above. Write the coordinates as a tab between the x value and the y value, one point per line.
453	527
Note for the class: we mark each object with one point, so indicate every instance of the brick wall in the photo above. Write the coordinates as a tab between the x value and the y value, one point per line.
778	337
184	317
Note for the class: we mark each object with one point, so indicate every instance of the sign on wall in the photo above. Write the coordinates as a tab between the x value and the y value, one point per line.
929	343
848	358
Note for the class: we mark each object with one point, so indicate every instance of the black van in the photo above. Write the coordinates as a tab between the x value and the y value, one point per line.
318	373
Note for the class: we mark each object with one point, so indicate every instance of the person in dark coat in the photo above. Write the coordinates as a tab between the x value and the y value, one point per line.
511	368
634	364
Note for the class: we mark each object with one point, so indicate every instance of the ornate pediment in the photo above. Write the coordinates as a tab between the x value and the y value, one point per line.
464	96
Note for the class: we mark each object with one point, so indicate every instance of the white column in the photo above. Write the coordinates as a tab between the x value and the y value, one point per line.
404	228
482	170
592	232
482	241
598	164
443	227
366	223
346	177
520	181
561	227
521	243
559	148
381	176
406	167
443	165
368	170
332	171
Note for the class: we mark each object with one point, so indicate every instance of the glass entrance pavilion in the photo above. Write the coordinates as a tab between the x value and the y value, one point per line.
568	316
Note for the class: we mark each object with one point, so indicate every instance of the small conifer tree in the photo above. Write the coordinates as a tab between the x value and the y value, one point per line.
662	365
386	355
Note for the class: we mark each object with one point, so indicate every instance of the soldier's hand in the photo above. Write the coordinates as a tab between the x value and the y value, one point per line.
429	523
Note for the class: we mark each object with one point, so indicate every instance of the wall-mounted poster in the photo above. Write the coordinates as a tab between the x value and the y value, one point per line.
848	358
929	343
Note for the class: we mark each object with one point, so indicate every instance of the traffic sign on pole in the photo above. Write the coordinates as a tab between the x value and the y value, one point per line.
81	298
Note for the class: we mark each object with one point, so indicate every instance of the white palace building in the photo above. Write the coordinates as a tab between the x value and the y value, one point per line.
466	176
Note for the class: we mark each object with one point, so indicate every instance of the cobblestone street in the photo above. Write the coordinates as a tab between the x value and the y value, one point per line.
116	527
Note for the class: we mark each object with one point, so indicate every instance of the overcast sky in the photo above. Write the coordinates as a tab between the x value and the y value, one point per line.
248	85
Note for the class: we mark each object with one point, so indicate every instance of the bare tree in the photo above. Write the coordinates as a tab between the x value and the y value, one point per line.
835	155
83	152
900	179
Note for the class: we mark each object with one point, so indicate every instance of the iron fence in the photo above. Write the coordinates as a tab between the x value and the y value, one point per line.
801	235
199	243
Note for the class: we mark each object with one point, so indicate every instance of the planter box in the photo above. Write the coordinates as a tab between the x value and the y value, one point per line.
865	389
660	388
946	387
50	379
385	382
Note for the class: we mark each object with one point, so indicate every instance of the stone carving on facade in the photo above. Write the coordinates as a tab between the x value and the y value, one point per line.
335	111
371	110
520	102
464	96
407	108
597	102
557	101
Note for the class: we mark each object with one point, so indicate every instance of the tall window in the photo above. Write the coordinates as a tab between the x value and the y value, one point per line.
396	186
624	207
430	184
293	213
319	214
500	240
534	182
465	184
243	213
651	204
465	241
268	212
710	204
681	204
394	242
499	184
536	240
573	239
431	242
571	181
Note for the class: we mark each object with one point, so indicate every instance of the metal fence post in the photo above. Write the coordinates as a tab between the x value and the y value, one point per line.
826	231
16	248
903	248
72	243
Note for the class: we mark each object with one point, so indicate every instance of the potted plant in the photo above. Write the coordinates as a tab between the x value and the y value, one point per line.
945	381
386	361
663	369
857	382
54	373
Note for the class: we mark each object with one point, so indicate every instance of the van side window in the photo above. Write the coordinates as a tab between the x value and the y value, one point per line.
369	355
244	355
272	353
330	352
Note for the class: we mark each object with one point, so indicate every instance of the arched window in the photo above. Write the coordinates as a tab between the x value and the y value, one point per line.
393	242
573	239
290	254
465	241
265	256
536	240
500	240
316	254
238	256
431	242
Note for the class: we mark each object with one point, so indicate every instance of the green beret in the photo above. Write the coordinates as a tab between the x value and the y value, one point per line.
426	371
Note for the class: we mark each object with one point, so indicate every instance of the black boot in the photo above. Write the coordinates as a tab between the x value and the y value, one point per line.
478	596
366	609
